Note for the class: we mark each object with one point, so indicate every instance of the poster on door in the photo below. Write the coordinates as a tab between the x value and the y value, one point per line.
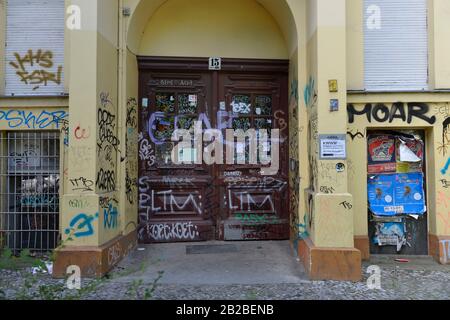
381	154
394	194
409	154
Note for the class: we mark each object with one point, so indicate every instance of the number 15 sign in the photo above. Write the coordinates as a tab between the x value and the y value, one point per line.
215	63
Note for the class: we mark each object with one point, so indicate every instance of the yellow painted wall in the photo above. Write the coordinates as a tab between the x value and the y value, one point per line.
355	44
129	80
94	122
439	26
67	50
2	45
231	28
437	153
331	222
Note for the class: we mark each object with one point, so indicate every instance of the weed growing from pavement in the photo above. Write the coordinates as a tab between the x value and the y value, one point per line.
252	295
30	288
139	291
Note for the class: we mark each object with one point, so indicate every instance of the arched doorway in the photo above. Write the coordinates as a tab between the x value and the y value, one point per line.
171	42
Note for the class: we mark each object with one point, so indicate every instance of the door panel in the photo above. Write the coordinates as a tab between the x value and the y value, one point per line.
413	229
254	208
172	204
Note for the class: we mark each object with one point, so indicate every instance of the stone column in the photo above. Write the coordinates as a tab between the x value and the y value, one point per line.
328	252
91	223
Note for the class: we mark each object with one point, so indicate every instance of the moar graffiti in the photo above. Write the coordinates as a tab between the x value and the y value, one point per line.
381	113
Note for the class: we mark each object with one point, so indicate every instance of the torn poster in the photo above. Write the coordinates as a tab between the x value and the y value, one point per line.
393	194
390	234
409	153
381	154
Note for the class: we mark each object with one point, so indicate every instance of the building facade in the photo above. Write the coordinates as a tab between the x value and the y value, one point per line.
358	92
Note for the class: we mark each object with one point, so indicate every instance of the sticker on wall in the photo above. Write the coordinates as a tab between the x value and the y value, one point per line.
393	194
381	154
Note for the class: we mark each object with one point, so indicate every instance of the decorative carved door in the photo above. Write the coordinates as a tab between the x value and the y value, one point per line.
190	200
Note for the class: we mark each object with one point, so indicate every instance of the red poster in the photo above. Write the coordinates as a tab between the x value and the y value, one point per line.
381	154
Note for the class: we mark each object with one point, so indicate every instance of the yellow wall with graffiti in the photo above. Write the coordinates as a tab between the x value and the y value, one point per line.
95	150
436	145
2	46
323	41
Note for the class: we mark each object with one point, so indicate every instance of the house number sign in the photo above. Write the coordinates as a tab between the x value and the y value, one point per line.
215	63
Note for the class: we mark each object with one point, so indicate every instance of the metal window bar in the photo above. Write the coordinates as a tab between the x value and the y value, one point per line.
29	190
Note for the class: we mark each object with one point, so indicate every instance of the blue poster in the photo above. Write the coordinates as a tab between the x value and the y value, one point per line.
394	194
381	194
409	193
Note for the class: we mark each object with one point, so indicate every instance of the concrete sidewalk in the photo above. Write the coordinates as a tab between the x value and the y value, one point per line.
216	263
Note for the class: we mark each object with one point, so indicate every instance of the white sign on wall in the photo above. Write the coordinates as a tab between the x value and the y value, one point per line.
333	146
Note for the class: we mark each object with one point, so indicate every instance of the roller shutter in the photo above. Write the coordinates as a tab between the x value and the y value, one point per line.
396	46
35	47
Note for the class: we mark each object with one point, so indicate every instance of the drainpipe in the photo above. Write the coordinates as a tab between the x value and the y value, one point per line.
121	112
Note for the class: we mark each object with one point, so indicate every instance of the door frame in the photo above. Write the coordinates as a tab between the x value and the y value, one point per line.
265	67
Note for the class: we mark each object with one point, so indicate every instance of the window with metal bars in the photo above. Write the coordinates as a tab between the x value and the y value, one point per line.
29	190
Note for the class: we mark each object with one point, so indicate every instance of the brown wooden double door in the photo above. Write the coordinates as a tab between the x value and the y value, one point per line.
197	201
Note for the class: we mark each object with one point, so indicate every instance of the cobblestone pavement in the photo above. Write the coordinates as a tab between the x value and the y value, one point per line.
420	279
396	285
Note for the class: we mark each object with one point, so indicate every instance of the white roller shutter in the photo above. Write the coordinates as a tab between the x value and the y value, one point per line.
35	47
396	46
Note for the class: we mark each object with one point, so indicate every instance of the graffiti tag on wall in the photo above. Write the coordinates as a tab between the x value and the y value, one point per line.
382	113
35	68
81	225
16	119
174	231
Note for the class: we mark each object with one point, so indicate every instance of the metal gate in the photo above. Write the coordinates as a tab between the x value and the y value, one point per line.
29	190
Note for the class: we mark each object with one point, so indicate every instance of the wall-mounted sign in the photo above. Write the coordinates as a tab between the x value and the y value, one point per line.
334	105
333	85
333	146
215	63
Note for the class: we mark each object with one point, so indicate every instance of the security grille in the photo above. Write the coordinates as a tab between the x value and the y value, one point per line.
29	190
